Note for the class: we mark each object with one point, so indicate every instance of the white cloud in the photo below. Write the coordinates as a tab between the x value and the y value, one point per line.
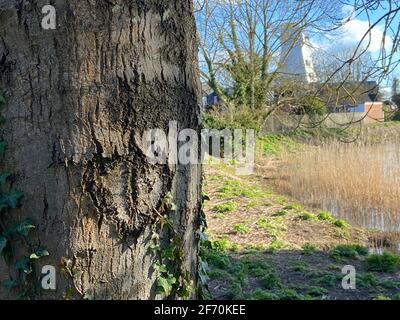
354	30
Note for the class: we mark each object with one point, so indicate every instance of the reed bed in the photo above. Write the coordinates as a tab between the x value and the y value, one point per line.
358	181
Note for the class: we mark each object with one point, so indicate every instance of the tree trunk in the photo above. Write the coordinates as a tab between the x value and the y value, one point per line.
78	99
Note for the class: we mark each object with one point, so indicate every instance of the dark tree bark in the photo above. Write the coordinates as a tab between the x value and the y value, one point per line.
78	101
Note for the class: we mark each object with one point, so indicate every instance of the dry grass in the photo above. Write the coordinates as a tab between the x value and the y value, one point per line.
260	211
359	182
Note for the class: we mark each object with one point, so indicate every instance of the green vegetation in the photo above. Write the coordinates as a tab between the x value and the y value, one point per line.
326	216
386	262
286	250
311	106
241	228
296	207
341	224
308	216
233	188
352	251
225	207
280	213
274	227
309	248
273	145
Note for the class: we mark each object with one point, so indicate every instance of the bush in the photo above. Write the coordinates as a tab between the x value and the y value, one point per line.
386	262
271	280
349	251
308	248
311	106
220	245
242	118
260	294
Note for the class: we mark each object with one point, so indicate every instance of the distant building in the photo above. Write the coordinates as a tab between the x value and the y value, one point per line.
296	55
363	106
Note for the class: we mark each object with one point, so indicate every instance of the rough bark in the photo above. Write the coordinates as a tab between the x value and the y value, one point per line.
78	100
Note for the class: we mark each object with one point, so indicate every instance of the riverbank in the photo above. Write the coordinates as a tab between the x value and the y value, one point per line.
264	245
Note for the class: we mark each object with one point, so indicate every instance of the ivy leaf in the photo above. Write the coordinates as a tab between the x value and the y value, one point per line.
174	207
25	226
162	268
3	178
39	253
69	293
12	199
21	228
164	285
24	265
9	284
88	295
3	243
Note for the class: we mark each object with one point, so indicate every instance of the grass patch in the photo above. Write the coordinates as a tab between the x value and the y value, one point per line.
299	267
276	245
341	224
326	216
352	251
233	189
241	229
386	262
270	280
366	280
225	207
308	248
296	207
275	144
307	216
275	228
280	213
260	294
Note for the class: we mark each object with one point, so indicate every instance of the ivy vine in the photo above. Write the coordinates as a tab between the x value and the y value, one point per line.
172	279
15	234
202	288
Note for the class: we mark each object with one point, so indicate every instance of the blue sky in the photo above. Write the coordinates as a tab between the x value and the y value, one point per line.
355	29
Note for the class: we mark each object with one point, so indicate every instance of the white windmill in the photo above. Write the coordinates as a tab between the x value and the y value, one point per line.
296	56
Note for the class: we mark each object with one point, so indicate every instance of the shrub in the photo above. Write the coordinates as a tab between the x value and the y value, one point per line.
260	294
288	294
311	106
386	262
242	118
308	248
220	245
396	296
349	251
367	280
271	280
